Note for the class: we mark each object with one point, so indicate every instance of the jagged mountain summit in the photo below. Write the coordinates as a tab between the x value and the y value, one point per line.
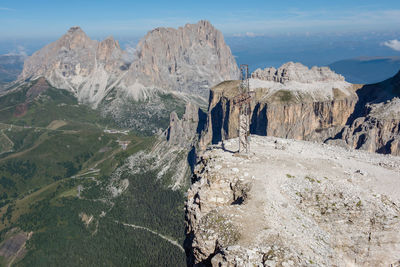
317	82
190	59
292	71
86	67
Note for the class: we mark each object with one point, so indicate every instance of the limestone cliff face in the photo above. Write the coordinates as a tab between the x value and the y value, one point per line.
311	104
374	135
375	124
189	59
296	107
184	132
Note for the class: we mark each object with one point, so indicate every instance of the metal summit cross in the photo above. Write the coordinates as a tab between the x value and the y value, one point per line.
242	100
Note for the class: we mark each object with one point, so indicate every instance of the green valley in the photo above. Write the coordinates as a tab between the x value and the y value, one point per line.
64	185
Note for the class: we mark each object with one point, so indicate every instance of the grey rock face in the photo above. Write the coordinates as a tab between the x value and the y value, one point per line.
182	132
297	72
75	62
375	125
378	131
288	103
189	60
313	111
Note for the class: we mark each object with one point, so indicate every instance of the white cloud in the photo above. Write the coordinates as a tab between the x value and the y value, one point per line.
19	51
6	9
129	53
247	34
250	34
393	44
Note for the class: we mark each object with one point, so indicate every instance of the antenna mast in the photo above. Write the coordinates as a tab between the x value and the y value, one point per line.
242	100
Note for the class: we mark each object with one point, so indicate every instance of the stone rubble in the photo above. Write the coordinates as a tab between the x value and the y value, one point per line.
308	204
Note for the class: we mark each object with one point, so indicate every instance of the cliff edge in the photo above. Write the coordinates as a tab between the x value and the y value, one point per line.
293	203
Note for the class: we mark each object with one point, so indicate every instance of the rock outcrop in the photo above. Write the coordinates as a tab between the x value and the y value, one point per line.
375	124
184	132
190	60
297	72
293	203
291	102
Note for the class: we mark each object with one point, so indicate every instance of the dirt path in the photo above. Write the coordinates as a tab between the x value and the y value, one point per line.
10	143
41	139
20	250
41	128
25	151
8	139
311	203
173	242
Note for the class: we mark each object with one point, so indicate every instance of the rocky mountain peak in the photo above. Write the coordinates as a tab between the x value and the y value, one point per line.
202	23
189	59
75	38
75	62
316	83
181	132
297	72
74	29
109	49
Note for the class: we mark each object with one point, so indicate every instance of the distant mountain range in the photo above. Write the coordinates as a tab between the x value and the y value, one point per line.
188	60
362	70
367	70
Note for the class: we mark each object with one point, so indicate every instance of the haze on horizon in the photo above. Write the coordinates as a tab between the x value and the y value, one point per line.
259	32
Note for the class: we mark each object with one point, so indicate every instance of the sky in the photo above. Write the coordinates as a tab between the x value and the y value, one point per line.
46	19
334	29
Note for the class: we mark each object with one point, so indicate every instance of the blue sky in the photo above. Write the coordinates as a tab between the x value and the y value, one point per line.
100	18
260	33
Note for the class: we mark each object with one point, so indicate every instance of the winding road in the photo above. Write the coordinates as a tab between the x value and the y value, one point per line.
173	242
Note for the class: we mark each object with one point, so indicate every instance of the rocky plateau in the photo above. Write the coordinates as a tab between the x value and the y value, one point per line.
314	104
293	203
